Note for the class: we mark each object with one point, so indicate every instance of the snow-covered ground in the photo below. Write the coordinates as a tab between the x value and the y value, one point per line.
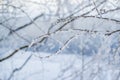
58	67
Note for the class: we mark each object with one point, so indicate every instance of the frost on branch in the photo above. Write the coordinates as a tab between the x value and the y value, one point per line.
59	40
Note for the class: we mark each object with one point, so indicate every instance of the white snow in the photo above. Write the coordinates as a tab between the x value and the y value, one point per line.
57	67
